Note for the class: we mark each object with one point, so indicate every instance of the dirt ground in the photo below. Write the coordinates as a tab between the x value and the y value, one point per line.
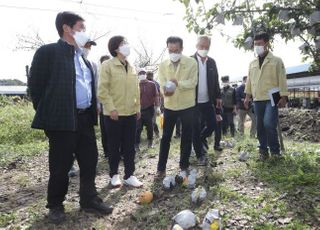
300	124
232	188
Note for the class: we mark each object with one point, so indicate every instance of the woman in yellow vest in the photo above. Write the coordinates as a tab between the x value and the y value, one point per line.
118	91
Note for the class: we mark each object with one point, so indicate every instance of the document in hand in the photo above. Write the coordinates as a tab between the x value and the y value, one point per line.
274	95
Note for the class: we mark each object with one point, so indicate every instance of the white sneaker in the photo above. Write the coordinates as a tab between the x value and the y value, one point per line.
133	181
115	181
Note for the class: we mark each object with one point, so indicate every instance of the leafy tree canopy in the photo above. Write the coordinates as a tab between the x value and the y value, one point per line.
290	19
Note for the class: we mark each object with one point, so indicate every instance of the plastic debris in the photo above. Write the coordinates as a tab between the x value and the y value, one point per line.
220	18
295	31
177	227
169	182
228	144
185	219
248	43
183	173
212	221
238	20
193	172
295	154
284	15
191	181
244	156
315	17
198	195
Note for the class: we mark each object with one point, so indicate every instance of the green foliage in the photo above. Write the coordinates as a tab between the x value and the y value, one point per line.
15	124
6	219
203	16
17	139
291	172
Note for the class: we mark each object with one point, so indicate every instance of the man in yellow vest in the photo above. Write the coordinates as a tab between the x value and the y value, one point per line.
266	74
178	79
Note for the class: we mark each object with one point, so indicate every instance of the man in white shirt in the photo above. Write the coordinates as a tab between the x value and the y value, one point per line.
207	98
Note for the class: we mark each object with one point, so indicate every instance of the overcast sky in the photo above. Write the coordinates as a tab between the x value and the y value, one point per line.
150	21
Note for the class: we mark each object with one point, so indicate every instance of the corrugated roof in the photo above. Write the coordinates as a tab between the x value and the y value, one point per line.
298	69
13	89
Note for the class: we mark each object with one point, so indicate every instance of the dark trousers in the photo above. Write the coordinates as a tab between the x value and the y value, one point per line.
103	131
178	127
267	121
217	134
155	125
170	119
121	138
204	113
145	120
227	116
63	146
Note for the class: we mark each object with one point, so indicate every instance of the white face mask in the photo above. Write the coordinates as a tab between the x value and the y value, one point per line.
124	50
85	52
225	84
81	38
174	57
203	53
259	50
142	77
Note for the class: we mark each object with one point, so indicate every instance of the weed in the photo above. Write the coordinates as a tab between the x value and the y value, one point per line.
6	219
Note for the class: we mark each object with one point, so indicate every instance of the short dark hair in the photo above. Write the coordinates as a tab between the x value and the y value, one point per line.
114	44
149	75
174	39
262	36
104	58
66	18
244	78
225	78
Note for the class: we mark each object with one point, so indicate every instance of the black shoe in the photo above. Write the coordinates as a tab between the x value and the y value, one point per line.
72	172
97	206
160	175
277	156
264	155
218	148
56	215
202	161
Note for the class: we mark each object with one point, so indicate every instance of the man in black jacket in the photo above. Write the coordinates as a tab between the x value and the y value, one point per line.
207	95
63	94
228	95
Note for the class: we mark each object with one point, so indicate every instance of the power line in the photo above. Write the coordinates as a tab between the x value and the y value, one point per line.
89	12
81	2
26	8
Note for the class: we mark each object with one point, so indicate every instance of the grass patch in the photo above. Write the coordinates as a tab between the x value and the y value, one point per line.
6	219
17	138
300	166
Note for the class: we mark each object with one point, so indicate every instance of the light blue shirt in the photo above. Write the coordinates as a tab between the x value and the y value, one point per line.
83	81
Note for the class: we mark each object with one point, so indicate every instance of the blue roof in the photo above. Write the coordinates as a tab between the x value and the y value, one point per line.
298	69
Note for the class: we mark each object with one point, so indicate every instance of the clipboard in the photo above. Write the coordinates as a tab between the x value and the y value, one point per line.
274	95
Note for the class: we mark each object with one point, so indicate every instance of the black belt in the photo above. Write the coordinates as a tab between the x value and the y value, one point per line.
147	108
82	111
